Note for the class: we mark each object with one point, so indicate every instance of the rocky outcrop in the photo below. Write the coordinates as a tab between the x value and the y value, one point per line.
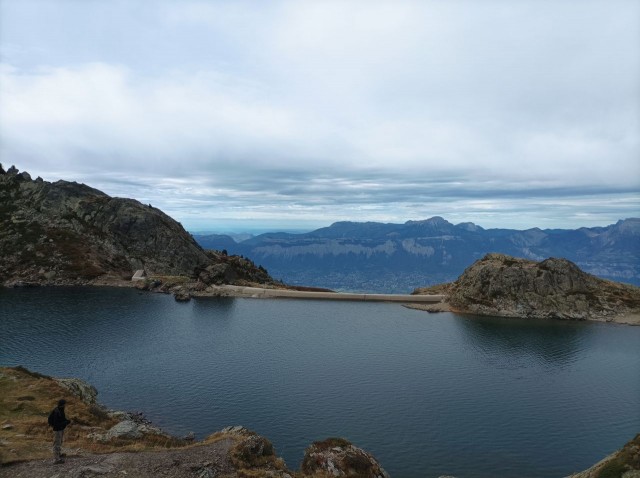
624	463
130	428
500	285
69	233
81	389
338	457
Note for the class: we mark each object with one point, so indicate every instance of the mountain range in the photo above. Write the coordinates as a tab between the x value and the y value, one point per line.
387	257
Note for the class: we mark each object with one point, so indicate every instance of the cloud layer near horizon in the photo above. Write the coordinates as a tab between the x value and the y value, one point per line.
301	113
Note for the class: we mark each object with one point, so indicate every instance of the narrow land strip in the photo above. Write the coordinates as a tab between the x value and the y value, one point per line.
260	293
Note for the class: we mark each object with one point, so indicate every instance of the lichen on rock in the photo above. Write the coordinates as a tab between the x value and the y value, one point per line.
338	457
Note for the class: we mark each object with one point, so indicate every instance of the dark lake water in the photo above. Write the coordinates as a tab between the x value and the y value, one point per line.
427	394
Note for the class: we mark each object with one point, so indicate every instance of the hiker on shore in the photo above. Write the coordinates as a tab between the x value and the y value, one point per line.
58	421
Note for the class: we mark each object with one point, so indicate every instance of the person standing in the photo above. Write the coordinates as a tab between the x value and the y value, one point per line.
58	421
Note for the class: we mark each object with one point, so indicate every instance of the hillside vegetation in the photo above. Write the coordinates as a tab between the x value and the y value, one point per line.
65	233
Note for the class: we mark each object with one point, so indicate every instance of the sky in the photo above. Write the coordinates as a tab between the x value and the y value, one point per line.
291	115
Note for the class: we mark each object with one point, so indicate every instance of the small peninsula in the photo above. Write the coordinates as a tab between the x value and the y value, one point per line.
504	286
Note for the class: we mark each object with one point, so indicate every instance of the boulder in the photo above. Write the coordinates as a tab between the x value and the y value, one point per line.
338	457
81	389
182	295
126	429
131	427
218	274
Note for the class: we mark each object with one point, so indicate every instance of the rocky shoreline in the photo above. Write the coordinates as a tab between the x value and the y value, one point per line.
110	444
107	443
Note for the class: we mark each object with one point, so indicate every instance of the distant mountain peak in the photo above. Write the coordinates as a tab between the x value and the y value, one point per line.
434	221
469	226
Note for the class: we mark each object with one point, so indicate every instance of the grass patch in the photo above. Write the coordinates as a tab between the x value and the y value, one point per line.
30	373
331	442
613	469
626	459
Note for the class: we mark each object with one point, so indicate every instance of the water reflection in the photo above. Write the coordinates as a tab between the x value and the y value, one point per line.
223	305
519	343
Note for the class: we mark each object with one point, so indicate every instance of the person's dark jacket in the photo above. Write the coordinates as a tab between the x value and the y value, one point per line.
57	420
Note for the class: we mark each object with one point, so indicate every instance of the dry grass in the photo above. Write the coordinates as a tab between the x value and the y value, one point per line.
627	459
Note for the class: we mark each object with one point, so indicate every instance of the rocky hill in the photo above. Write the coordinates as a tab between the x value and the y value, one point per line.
395	258
70	233
500	285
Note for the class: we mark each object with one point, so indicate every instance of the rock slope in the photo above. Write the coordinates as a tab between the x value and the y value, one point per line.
500	285
69	233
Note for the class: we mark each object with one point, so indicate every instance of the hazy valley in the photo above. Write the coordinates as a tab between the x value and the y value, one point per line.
378	257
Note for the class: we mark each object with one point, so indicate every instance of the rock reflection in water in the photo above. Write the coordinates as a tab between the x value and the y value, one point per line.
517	343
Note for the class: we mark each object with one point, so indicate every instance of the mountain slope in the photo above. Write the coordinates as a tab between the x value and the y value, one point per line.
376	257
69	233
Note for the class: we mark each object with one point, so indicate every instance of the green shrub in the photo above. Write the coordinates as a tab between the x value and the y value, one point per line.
613	469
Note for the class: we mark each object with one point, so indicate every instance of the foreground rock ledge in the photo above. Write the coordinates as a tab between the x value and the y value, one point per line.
500	285
107	443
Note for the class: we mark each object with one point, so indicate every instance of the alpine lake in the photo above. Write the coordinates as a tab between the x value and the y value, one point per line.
426	394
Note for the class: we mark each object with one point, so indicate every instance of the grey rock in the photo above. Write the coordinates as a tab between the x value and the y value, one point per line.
338	457
182	295
124	429
92	470
81	389
234	429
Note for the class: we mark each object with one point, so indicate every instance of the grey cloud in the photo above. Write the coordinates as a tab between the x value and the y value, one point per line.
331	110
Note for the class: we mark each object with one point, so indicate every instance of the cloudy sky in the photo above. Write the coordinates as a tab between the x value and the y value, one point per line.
253	115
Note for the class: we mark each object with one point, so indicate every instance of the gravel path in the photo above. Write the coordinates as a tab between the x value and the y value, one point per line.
204	461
